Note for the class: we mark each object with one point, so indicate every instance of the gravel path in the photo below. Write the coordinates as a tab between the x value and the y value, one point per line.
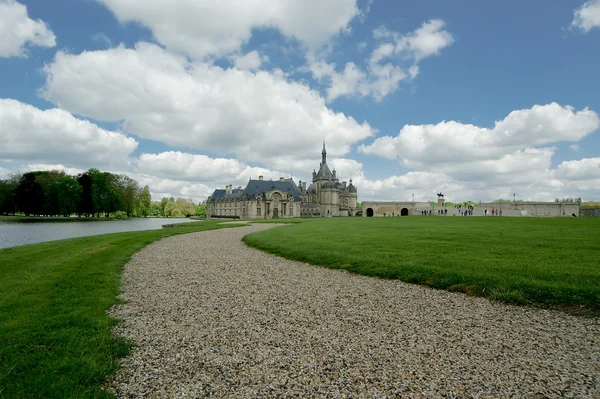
214	318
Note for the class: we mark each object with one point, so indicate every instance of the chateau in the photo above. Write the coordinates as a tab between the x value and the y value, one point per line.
268	199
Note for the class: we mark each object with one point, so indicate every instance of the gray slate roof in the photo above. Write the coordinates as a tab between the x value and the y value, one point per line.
259	187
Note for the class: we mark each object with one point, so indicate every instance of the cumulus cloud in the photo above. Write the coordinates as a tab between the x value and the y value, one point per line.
249	61
185	166
447	143
477	163
218	28
583	169
4	173
56	136
587	16
394	60
17	30
43	166
160	96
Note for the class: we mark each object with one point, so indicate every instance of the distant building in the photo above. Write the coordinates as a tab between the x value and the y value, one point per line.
267	199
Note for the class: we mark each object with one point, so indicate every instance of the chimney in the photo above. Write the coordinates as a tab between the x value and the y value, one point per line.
303	186
260	177
281	179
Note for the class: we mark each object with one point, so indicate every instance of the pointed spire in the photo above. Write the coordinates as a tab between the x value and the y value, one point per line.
324	151
324	154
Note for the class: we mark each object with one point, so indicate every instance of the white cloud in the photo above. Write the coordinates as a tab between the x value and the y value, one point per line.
574	147
394	60
193	167
250	61
447	143
160	96
17	30
218	28
587	16
160	187
583	169
56	136
4	173
42	166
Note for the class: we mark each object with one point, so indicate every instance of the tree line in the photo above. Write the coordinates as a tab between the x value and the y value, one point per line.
54	193
91	194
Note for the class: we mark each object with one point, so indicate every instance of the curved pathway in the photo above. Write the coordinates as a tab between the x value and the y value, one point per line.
212	317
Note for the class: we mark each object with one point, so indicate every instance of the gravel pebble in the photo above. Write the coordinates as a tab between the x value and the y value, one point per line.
214	318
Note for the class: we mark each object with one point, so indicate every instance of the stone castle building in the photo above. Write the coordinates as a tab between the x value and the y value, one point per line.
267	199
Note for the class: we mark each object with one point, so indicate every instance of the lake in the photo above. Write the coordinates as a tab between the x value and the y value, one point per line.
14	233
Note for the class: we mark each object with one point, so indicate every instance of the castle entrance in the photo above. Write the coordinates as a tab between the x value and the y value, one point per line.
275	213
370	212
404	212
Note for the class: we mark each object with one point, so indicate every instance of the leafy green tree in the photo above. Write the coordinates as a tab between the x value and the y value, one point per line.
171	210
186	207
163	204
130	194
7	194
201	210
69	194
29	195
155	209
86	204
49	180
145	202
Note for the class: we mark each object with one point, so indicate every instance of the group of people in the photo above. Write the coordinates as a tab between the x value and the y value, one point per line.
493	212
468	211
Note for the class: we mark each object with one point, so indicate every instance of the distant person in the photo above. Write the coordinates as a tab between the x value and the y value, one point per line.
492	211
574	215
485	212
445	212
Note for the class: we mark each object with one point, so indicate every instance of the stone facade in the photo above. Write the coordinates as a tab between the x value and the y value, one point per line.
508	208
267	199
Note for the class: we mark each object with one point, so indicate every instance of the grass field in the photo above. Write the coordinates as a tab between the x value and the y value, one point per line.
542	262
55	335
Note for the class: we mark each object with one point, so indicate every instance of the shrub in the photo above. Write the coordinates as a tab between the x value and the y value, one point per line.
119	215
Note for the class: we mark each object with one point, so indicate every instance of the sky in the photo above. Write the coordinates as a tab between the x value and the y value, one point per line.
478	100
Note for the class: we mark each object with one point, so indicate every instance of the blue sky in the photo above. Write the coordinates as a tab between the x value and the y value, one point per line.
477	99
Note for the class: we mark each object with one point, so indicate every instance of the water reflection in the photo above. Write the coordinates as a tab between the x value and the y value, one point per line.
14	233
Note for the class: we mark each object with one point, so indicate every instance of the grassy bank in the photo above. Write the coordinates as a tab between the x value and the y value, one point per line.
545	262
55	334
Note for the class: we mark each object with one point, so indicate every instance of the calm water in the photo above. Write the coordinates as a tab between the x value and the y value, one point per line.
15	233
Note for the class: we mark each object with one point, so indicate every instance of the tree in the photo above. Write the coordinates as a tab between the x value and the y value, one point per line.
201	210
49	180
155	209
130	194
29	195
171	210
69	193
145	202
86	204
163	204
7	194
186	207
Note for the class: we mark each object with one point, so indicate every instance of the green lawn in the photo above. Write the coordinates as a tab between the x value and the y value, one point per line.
55	335
551	262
